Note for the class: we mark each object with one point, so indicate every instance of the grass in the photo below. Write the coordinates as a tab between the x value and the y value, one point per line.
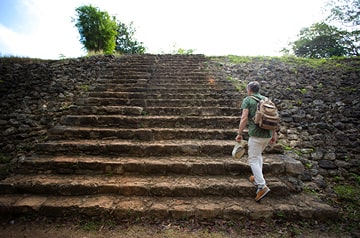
19	59
4	159
348	199
6	167
348	193
240	86
327	63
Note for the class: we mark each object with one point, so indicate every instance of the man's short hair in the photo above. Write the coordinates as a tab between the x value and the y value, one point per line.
254	86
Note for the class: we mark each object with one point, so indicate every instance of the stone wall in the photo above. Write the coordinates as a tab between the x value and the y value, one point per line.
34	94
319	102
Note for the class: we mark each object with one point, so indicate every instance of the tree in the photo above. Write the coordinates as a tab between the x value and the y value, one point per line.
320	41
97	29
100	32
125	42
345	11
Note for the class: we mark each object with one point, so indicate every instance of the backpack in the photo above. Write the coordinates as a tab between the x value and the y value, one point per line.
266	116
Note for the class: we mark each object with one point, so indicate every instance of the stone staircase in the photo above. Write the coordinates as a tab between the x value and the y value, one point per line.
153	138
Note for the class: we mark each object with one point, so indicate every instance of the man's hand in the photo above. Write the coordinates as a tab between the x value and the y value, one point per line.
243	121
273	138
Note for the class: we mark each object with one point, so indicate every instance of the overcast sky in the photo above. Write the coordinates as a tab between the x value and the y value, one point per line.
44	28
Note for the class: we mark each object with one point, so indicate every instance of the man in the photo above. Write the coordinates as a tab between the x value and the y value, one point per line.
258	139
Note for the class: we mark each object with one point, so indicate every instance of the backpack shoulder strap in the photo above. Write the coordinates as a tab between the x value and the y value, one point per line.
256	98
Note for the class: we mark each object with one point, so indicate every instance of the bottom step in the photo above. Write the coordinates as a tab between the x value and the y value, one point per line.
298	206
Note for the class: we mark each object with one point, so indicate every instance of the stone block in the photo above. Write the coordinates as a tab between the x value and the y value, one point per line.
293	166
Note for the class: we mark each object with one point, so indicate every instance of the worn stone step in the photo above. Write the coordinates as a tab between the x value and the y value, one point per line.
138	148
170	77
142	95
155	111
158	82
158	102
105	79
293	207
124	86
274	165
153	89
125	74
156	89
159	186
121	69
132	122
145	134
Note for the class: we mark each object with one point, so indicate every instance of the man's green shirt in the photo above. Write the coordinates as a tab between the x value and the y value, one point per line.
254	130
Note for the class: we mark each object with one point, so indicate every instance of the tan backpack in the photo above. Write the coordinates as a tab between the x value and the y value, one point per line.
266	116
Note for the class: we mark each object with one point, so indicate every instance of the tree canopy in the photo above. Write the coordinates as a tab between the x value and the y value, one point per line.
345	11
320	41
97	29
125	42
323	40
99	32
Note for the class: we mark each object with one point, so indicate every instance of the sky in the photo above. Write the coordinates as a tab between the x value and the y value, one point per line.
44	28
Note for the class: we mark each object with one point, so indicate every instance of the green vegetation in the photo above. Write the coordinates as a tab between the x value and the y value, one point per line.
356	178
286	147
19	59
65	106
347	192
349	198
97	29
84	87
320	41
6	167
333	63
4	159
125	41
240	86
99	32
325	39
180	51
348	89
303	90
308	165
239	59
91	226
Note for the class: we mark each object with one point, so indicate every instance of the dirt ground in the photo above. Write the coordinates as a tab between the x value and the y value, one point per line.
42	227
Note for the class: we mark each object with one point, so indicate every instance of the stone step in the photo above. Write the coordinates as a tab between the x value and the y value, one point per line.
193	76
145	134
141	95
155	111
105	79
293	207
137	148
133	122
139	74
158	186
158	102
274	165
211	148
126	86
162	90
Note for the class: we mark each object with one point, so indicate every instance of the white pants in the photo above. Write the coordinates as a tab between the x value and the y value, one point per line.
256	146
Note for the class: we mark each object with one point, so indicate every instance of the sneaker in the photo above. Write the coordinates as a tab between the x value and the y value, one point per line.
252	180
262	193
